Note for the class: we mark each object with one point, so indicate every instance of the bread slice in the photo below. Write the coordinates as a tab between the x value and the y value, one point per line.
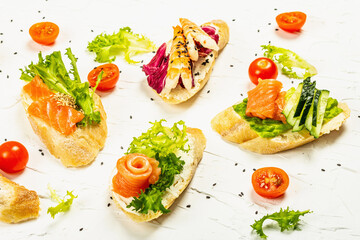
233	128
197	143
180	94
17	204
77	149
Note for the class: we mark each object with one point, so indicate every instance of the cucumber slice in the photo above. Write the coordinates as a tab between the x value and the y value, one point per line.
303	97
309	118
321	108
290	107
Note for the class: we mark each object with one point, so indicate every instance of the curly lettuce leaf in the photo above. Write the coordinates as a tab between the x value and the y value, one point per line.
332	110
288	60
286	219
64	203
53	72
160	139
161	143
124	42
266	128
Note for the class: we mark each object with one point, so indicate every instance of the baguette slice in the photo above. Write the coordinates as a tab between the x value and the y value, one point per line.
77	149
197	143
180	94
17	204
233	128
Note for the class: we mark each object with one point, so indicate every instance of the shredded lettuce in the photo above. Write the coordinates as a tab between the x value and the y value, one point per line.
288	60
53	72
161	143
287	220
64	203
124	42
266	128
332	109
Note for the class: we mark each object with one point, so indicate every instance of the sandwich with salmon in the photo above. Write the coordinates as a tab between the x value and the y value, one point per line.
183	65
17	204
67	114
156	169
270	120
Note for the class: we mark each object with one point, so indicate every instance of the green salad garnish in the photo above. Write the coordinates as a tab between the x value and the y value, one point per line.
161	143
64	203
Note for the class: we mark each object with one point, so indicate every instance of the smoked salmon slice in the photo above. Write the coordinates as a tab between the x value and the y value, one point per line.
37	89
135	173
263	100
61	118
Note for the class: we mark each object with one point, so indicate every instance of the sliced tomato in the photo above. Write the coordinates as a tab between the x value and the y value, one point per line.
44	32
291	21
109	77
270	182
13	157
263	68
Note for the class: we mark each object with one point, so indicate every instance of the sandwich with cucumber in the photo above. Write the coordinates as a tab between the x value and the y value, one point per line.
270	120
156	169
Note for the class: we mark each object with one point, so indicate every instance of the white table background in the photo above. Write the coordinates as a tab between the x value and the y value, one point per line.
329	40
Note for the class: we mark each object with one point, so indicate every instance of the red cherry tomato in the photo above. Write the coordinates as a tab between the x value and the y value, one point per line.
109	77
263	68
270	182
291	21
44	32
13	157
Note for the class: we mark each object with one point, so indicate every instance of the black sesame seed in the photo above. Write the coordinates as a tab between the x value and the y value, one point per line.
153	51
338	164
121	147
269	23
255	54
276	29
92	30
244	170
258	30
40	150
109	204
69	41
208	197
269	42
358	116
188	206
5	140
1	41
275	9
102	163
42	154
236	164
233	20
15	53
111	198
254	169
43	17
151	99
231	65
323	170
130	117
208	91
7	76
81	229
1	33
241	94
214	184
242	194
21	30
11	20
39	11
292	82
256	212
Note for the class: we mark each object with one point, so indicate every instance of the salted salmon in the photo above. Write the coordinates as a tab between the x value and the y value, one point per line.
179	63
135	173
37	89
61	118
47	106
266	101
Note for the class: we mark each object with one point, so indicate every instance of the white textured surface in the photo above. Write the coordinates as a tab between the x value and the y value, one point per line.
329	40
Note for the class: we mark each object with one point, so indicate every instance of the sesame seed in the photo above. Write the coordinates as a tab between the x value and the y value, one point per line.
42	154
188	206
269	42
338	164
240	195
92	30
15	53
214	184
241	94
233	20
21	30
121	147
231	65
254	169
151	99
130	117
275	9
207	197
39	11
255	54
323	170
153	51
269	23
69	41
111	197
43	17
11	20
244	170
81	229
256	212
5	140
208	91
109	204
258	30
236	164
7	76
102	163
276	29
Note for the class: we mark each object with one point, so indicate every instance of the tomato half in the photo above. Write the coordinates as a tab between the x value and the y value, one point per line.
291	21
109	77
263	68
13	157
270	182
44	32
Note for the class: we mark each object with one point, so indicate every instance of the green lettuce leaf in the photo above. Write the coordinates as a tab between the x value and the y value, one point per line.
288	60
124	42
287	220
53	72
64	203
332	109
160	139
161	143
266	128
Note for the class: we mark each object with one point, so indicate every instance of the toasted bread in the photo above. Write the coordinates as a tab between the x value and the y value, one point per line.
77	149
197	143
233	128
17	204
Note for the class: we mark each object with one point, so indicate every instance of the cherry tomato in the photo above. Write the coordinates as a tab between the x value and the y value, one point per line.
109	77
270	182
13	157
44	32
263	68
291	21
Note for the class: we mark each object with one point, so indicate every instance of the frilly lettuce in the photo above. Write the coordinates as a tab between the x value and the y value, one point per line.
288	60
64	203
124	42
332	109
53	72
